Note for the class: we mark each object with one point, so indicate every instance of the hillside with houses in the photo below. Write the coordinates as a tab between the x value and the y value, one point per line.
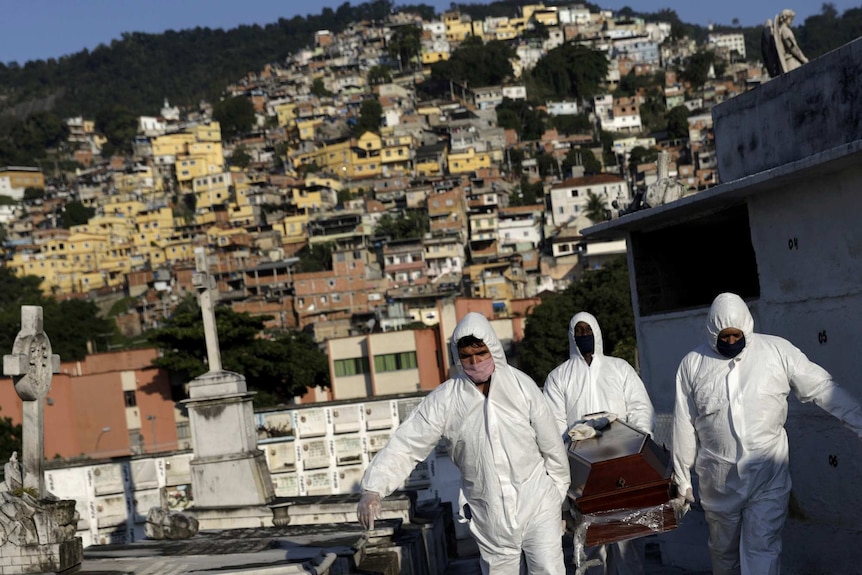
350	138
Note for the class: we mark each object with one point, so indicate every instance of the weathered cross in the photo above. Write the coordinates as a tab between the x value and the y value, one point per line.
31	366
207	291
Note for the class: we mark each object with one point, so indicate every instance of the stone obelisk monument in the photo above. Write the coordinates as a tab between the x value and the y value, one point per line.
228	471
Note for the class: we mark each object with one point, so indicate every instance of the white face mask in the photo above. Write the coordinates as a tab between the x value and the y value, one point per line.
479	372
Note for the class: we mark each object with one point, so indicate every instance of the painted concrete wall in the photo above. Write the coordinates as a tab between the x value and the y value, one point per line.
794	116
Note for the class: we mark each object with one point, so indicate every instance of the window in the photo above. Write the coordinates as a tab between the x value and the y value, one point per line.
130	399
352	366
395	361
183	430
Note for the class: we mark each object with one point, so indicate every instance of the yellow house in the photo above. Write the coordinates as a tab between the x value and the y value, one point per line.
122	206
208	132
468	161
431	163
286	114
242	216
365	157
306	199
206	218
142	178
178	249
14	180
212	152
241	191
307	128
459	27
429	58
317	180
397	153
293	228
171	144
152	226
211	190
508	30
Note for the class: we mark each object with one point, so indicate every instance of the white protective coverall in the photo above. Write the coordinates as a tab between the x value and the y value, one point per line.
514	469
575	389
729	423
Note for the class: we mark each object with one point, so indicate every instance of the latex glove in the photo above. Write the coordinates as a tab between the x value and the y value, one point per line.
368	509
580	431
682	503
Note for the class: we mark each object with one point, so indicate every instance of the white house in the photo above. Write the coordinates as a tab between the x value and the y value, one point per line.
568	199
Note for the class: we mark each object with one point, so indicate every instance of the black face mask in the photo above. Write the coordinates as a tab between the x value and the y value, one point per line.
586	343
730	350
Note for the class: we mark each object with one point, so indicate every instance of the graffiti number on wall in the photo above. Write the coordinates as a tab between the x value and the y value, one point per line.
822	337
793	244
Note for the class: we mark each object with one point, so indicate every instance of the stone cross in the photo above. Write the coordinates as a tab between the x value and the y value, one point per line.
207	292
31	366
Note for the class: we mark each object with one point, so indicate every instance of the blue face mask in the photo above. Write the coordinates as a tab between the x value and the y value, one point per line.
586	343
730	350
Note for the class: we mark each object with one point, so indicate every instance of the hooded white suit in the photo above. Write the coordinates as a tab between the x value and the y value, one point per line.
729	423
575	389
514	469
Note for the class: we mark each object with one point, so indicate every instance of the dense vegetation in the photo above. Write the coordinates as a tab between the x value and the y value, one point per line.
71	325
606	294
276	365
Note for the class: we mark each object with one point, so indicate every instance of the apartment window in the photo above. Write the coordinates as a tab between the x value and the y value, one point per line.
352	366
395	361
136	441
130	399
574	193
183	430
336	297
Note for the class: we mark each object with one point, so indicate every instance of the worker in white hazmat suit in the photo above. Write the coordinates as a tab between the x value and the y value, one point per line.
591	382
731	407
502	437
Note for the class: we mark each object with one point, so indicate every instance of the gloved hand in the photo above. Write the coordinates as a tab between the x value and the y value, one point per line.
368	509
682	503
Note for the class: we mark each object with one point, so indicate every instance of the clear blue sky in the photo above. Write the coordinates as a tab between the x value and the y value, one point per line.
41	29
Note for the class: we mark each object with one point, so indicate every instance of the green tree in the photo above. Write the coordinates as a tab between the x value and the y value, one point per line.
596	209
697	68
606	294
32	194
404	45
315	258
278	366
119	125
413	224
69	344
677	122
571	71
522	116
477	64
240	158
370	115
641	155
235	116
319	90
572	123
581	157
75	213
379	75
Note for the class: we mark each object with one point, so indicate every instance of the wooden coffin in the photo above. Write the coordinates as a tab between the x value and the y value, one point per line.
621	483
